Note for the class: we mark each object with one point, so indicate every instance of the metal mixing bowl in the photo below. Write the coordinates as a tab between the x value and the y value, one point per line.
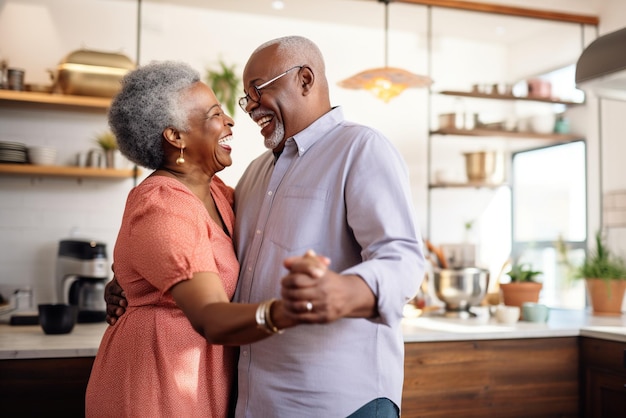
461	289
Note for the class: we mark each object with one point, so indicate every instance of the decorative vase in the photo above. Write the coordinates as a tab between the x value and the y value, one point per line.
516	293
606	296
109	156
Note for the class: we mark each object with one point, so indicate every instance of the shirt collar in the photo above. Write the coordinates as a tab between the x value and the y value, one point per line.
306	138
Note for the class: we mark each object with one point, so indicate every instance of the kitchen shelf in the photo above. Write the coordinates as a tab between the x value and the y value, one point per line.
67	171
509	134
12	97
467	185
495	96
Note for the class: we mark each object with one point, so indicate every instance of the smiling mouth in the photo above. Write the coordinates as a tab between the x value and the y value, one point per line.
225	139
264	121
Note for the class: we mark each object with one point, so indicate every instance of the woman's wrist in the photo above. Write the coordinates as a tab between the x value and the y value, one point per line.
263	316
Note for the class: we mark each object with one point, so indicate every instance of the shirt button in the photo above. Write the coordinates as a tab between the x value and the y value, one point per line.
244	353
249	268
269	193
258	232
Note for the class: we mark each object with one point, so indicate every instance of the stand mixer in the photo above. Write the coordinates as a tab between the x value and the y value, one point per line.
81	274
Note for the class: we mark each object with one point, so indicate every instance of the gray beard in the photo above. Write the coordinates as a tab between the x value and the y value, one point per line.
276	137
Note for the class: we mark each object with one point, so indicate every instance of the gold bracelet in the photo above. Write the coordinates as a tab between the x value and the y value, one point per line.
268	318
263	317
260	317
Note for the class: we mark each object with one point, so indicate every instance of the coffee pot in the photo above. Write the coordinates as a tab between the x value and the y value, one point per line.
81	275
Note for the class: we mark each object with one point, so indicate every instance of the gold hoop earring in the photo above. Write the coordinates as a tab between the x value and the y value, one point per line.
181	160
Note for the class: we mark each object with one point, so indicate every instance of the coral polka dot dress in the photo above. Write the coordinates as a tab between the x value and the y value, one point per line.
152	363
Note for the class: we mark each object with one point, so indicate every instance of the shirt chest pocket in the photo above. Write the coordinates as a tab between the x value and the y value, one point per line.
298	218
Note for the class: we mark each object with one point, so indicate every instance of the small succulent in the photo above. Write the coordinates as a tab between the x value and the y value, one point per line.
523	272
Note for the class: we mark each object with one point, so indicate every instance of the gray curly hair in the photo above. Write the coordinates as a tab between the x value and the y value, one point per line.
148	103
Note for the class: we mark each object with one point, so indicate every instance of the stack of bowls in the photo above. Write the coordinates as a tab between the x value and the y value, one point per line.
42	155
12	152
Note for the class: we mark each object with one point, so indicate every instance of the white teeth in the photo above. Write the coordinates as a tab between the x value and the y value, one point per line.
225	139
263	121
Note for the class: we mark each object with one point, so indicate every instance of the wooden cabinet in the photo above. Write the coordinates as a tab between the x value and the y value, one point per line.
603	378
493	378
52	387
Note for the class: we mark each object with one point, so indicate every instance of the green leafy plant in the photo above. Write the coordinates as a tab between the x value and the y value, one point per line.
107	141
601	263
225	84
523	272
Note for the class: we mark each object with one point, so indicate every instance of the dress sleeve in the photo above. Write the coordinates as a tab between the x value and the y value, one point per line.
170	237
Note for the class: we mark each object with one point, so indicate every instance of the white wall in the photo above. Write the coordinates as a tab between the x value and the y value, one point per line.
35	34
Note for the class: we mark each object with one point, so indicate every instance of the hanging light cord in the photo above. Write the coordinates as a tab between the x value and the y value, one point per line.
386	32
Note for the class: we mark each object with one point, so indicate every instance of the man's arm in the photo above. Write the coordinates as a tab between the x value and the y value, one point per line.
116	301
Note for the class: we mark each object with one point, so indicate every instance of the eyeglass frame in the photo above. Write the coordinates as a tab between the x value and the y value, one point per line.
244	100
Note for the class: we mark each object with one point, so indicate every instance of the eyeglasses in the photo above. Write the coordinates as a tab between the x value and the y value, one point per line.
255	93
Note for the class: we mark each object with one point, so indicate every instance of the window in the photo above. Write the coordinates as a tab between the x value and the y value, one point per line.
549	217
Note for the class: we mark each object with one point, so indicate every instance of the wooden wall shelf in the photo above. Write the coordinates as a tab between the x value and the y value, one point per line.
66	171
467	185
494	96
12	97
508	134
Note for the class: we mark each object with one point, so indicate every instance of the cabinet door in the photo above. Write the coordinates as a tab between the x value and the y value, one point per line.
603	366
606	394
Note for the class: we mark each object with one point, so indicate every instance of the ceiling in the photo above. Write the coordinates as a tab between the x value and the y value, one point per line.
403	17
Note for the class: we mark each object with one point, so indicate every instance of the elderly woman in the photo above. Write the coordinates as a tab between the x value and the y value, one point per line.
174	257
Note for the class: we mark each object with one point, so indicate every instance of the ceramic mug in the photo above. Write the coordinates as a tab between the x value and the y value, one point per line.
535	312
507	314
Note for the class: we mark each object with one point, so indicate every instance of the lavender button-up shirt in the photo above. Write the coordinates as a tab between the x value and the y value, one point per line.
342	190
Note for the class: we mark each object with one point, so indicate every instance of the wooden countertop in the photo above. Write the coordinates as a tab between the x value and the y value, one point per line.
22	342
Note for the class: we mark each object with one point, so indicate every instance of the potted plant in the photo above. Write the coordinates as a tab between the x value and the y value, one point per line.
108	143
605	278
524	286
225	84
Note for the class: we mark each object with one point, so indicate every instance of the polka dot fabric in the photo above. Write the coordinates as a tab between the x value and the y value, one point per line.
151	362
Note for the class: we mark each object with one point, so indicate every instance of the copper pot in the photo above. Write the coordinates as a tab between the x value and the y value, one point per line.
480	166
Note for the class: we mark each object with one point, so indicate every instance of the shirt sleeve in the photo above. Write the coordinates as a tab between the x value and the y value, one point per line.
381	215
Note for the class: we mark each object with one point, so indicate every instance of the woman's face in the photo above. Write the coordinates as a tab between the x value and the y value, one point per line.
206	140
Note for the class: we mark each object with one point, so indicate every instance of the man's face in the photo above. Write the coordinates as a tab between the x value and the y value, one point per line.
269	91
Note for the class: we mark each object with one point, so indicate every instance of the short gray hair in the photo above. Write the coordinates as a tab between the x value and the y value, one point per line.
298	50
147	104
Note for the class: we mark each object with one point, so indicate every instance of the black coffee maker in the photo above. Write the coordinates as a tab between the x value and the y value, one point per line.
81	274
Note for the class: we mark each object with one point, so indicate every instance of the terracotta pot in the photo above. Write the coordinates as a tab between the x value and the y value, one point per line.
606	296
515	294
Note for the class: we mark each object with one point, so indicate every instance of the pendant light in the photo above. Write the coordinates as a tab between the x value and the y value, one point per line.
385	82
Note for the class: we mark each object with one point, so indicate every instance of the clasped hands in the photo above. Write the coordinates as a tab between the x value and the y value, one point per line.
306	291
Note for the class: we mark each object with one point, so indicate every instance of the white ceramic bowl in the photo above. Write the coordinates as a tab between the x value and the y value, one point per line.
543	124
507	314
42	155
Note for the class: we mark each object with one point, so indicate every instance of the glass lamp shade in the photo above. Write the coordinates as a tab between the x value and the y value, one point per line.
386	82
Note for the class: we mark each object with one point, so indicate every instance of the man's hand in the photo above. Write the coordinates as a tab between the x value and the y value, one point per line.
313	293
116	301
